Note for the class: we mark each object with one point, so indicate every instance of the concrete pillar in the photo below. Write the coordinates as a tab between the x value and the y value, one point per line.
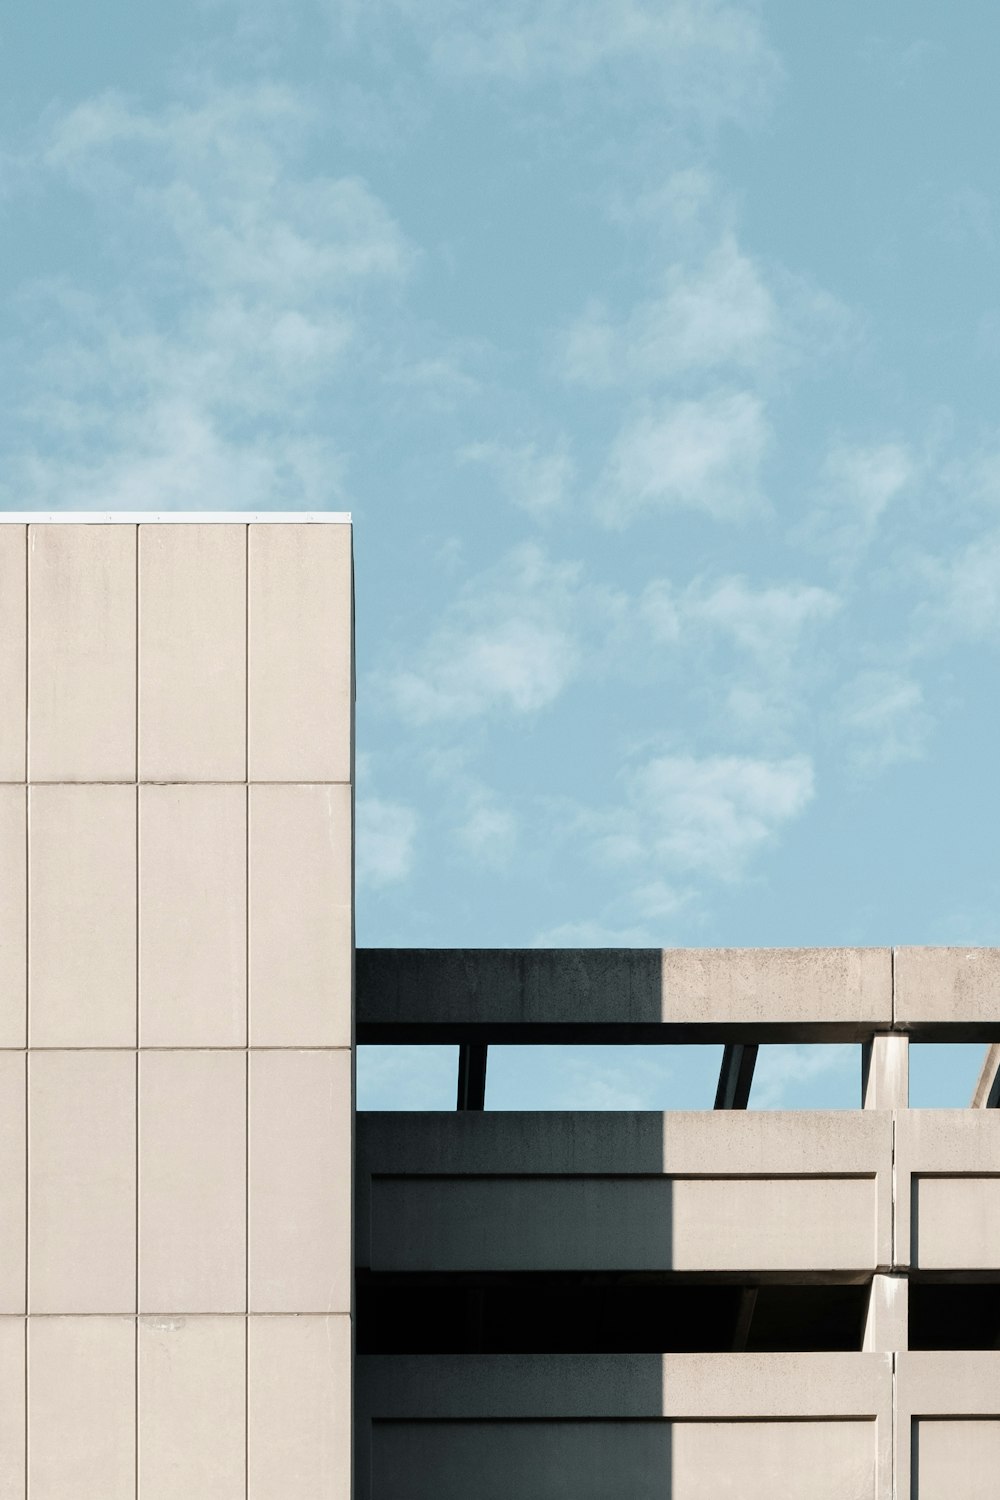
887	1323
885	1073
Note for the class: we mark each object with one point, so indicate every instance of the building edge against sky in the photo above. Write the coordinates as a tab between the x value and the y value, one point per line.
176	820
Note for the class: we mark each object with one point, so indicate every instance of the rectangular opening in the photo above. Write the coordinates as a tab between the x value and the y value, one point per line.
955	1314
528	1313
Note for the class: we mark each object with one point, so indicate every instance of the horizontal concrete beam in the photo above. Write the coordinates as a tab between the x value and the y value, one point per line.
700	1190
951	993
623	994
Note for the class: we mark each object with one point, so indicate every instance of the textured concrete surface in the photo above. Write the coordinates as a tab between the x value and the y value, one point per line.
133	657
404	994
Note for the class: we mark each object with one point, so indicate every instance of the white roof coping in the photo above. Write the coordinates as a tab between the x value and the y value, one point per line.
174	517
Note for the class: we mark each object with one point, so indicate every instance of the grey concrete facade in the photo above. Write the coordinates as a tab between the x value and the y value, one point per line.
883	1215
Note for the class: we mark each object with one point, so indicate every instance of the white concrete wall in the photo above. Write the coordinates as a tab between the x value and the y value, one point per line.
176	1069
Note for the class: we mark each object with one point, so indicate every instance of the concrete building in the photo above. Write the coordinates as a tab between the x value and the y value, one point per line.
175	1008
193	1291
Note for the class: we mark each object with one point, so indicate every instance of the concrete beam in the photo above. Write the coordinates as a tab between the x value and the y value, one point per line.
953	993
623	994
736	1075
472	1076
986	1094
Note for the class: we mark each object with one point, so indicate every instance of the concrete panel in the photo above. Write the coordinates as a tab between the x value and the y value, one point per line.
957	1460
12	1408
956	1223
192	1182
946	1385
192	916
81	1182
300	653
82	916
13	1140
697	1144
299	1408
635	1392
300	1182
300	916
623	994
192	653
947	985
645	1461
13	913
627	1387
537	1223
946	1143
13	650
81	1408
81	653
192	1408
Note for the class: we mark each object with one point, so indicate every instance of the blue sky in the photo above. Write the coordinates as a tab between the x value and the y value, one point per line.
654	346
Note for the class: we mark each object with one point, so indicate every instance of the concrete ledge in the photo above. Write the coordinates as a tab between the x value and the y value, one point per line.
947	1206
801	1192
623	994
639	1425
946	1423
948	990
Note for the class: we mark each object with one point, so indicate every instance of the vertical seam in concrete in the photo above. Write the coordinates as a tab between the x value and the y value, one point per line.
892	1191
246	1013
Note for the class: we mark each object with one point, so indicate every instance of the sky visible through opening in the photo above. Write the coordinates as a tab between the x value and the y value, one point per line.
654	346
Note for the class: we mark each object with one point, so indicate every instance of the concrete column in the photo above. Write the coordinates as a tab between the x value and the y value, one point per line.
885	1073
887	1323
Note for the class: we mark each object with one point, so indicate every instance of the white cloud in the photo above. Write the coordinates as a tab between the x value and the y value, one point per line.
699	455
706	58
884	716
684	815
510	643
487	830
532	478
386	834
767	623
720	316
711	815
236	283
964	599
859	484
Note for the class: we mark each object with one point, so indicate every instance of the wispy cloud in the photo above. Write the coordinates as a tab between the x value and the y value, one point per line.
698	455
858	485
386	836
534	478
885	718
719	316
703	58
510	643
708	816
238	280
